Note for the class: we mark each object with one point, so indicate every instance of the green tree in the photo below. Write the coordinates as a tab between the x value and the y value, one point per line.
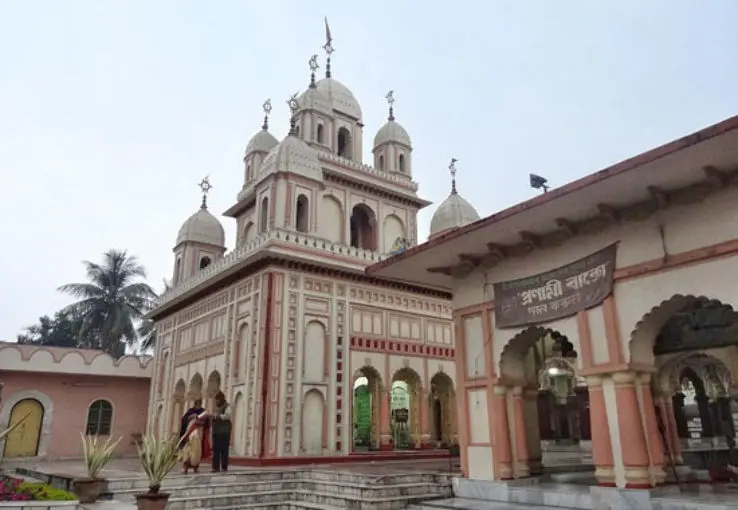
60	331
147	329
111	301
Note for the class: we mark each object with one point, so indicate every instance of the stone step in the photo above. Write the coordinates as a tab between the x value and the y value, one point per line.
475	504
275	498
359	490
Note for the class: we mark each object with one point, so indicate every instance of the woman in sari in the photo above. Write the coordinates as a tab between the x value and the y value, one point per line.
195	437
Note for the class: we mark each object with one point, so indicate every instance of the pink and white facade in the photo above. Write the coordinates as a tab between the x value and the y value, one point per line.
62	388
672	212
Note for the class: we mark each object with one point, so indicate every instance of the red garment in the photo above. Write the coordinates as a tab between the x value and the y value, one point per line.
207	449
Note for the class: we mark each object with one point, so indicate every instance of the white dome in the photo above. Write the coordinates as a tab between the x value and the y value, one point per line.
263	141
454	212
202	227
392	131
294	156
315	99
342	100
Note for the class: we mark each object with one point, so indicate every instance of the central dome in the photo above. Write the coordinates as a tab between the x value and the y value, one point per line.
342	99
294	156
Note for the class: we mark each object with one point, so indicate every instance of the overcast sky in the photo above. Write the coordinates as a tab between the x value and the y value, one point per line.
112	111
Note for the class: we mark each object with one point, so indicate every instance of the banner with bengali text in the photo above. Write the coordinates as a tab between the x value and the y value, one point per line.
556	294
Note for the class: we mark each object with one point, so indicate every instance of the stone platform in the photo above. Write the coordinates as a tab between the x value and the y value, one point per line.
532	493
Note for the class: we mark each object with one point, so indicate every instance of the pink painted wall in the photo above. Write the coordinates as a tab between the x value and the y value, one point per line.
72	394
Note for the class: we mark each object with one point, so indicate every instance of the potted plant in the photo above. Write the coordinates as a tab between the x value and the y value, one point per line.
97	454
158	457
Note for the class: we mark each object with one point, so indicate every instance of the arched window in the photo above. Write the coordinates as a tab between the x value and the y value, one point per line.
248	173
177	271
264	215
319	133
344	143
99	418
205	262
381	162
402	163
297	130
362	228
301	214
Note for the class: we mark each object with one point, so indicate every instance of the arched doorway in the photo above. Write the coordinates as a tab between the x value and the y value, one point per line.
366	401
177	407
556	400
24	440
442	405
195	389
405	394
688	338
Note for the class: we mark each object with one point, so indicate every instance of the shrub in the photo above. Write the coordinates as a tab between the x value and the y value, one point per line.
12	489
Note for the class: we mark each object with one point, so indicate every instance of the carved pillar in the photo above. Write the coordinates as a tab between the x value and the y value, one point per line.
501	434
703	405
582	394
677	401
521	441
602	454
632	435
544	415
533	431
726	417
385	434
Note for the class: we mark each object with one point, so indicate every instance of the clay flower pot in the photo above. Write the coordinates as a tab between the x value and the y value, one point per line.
157	501
88	490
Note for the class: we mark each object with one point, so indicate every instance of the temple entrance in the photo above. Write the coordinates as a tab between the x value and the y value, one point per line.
556	400
442	405
365	411
694	388
405	395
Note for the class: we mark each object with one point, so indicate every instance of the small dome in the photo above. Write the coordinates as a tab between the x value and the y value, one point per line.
454	212
294	156
315	99
342	99
263	141
392	131
202	227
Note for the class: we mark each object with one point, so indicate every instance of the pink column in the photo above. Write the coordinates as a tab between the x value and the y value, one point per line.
385	434
632	434
521	439
501	434
655	444
423	440
674	441
601	442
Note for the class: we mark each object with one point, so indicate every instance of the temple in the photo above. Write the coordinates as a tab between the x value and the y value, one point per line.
599	315
319	360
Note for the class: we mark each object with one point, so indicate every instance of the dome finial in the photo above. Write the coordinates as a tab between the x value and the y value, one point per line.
390	97
205	187
328	47
452	170
294	106
314	66
267	108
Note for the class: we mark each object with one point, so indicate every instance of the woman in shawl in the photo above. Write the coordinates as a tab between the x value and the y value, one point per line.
195	437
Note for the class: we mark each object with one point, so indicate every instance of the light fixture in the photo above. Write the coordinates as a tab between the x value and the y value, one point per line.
538	182
554	371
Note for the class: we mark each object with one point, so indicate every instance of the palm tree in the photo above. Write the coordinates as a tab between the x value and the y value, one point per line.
147	329
112	300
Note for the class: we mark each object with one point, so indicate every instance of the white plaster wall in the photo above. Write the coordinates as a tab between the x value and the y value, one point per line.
330	221
685	228
474	347
480	462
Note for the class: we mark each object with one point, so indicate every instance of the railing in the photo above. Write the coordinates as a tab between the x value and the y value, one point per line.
404	182
232	258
